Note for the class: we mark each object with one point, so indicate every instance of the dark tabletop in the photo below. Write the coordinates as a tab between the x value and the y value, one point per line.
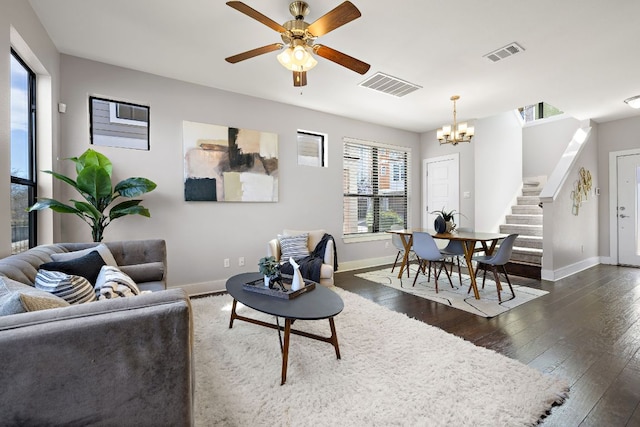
320	303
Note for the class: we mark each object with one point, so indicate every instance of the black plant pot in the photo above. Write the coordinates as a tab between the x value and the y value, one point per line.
440	225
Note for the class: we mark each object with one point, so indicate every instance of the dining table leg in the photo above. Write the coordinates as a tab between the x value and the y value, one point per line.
469	246
407	242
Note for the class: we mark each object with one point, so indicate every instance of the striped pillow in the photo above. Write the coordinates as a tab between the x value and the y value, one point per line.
73	289
113	283
293	246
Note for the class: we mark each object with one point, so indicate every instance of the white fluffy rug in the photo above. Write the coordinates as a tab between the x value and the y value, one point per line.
394	371
486	306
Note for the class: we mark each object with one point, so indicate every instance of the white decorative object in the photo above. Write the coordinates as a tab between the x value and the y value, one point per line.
266	280
298	282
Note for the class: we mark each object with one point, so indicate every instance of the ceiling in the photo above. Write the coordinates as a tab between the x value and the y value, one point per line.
581	56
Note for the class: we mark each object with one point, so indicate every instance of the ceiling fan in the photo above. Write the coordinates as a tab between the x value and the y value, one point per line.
299	39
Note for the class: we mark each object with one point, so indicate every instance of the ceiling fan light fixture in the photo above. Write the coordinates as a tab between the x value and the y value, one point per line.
297	59
633	102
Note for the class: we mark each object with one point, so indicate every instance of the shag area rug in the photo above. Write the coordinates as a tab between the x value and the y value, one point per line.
458	297
394	371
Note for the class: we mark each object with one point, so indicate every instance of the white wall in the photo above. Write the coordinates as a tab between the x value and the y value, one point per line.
490	169
498	169
21	29
571	241
200	235
543	142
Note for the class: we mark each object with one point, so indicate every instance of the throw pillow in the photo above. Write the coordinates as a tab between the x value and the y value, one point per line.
71	288
113	283
19	300
293	246
87	266
102	249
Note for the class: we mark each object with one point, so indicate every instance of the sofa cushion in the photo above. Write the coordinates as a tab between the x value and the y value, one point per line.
102	249
23	298
293	246
87	266
71	288
113	283
146	272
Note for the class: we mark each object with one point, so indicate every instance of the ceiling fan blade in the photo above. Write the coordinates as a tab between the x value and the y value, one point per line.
343	14
241	7
299	78
254	52
341	59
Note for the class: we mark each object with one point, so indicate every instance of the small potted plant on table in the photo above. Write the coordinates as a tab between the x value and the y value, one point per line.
444	221
270	269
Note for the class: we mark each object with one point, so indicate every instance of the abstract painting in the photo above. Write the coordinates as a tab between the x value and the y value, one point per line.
225	164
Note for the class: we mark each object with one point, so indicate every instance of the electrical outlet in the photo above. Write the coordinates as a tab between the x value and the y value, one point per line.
226	262
241	261
386	245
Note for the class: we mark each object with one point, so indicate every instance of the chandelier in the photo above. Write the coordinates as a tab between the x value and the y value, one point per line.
456	133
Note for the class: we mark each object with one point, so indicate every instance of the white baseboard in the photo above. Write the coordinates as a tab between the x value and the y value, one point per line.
194	289
365	263
554	275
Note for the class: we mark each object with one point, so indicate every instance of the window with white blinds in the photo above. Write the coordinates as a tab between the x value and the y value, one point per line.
376	186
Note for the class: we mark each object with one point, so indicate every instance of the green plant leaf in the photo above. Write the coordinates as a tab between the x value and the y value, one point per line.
119	210
134	187
92	158
54	205
96	182
88	209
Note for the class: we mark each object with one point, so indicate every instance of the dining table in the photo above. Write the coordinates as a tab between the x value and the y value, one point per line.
469	239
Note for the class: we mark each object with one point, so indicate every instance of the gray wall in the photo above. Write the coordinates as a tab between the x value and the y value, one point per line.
201	234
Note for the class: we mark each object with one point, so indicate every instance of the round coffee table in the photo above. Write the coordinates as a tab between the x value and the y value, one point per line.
320	303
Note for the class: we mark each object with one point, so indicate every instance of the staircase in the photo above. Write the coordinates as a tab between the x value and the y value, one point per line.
526	221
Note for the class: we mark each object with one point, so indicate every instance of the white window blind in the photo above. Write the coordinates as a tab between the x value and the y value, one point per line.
375	185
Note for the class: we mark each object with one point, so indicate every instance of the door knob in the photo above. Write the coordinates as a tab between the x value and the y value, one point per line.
623	216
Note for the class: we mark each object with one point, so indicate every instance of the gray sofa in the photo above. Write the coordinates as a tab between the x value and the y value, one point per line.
117	362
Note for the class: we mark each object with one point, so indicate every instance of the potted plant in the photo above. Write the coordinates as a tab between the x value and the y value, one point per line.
93	182
444	222
270	269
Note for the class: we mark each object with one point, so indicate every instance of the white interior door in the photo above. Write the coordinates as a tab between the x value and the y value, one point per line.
441	186
627	209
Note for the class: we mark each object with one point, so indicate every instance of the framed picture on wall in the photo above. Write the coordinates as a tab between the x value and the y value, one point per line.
118	124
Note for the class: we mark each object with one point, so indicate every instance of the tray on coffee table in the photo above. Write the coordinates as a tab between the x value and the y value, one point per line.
258	286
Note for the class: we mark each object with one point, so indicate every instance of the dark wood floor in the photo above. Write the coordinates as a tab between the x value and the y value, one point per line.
586	330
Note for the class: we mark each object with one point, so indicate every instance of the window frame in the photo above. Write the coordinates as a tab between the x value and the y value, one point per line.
379	201
30	183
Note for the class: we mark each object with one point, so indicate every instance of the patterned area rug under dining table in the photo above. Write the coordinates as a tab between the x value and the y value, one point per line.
458	296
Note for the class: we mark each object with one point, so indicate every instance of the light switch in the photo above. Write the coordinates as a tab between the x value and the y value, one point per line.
466	195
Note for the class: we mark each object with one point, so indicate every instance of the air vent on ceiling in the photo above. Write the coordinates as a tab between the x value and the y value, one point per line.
389	85
504	52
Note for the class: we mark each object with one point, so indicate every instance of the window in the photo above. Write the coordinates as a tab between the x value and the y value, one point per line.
538	111
312	149
374	201
23	151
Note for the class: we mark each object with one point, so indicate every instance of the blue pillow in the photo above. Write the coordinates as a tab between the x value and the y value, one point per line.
87	266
